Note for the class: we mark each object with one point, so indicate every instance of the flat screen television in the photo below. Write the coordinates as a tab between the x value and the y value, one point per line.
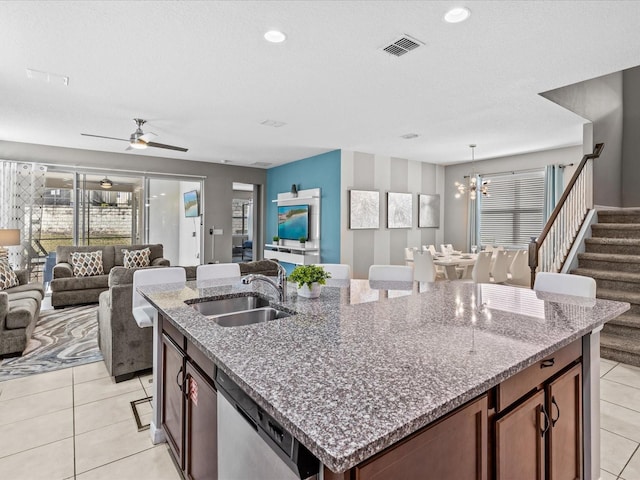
293	222
191	204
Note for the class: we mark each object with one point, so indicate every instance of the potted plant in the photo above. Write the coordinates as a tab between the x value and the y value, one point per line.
303	241
310	279
276	240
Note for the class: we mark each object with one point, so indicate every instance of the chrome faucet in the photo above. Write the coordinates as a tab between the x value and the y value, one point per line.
280	285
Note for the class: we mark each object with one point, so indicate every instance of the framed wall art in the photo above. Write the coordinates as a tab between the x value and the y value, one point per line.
399	210
364	209
428	211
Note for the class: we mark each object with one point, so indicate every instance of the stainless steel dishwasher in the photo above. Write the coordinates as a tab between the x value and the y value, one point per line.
252	445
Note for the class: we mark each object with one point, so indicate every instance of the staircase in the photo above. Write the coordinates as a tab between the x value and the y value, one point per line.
612	258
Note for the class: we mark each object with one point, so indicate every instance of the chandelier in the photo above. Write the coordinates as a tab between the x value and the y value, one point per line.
472	185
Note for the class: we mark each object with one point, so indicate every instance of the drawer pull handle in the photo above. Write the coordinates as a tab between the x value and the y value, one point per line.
546	421
548	363
554	420
178	382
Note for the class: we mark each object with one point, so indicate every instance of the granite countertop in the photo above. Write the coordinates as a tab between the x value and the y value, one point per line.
360	368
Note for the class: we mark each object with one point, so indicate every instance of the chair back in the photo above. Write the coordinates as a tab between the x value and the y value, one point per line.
519	269
338	271
430	248
396	273
565	283
500	267
408	254
142	311
217	270
511	254
446	248
423	268
482	268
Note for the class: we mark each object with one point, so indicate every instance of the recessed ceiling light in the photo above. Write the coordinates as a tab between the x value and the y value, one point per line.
275	36
457	15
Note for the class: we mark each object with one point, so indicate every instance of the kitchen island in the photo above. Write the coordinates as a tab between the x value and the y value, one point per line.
361	369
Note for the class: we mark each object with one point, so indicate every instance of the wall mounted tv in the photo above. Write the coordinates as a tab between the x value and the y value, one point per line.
293	222
191	204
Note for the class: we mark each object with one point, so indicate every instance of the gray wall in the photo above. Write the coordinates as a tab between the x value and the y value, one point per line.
600	100
631	138
364	171
218	191
455	209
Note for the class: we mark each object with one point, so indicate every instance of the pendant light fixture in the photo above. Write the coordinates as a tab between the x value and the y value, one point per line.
106	183
472	187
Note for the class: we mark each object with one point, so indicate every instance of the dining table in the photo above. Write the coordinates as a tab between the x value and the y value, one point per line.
455	260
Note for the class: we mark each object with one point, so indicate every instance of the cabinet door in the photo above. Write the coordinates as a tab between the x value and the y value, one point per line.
173	364
452	449
201	427
564	405
520	441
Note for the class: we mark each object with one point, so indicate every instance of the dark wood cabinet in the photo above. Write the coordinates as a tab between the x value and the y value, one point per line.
520	451
542	426
173	371
564	397
454	448
201	432
189	406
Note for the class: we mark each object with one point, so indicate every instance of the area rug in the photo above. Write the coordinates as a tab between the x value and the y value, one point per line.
62	339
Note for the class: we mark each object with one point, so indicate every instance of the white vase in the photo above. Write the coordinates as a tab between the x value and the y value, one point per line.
313	292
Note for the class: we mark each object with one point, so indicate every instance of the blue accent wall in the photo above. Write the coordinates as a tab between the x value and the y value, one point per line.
323	172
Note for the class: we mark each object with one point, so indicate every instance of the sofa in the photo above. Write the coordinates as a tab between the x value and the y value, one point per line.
68	290
125	346
19	310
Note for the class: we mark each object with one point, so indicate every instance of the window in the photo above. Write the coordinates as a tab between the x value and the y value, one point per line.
514	211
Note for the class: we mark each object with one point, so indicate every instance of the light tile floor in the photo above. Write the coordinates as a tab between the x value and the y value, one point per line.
77	423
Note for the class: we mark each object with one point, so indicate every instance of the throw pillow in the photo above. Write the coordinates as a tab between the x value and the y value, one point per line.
136	258
8	277
87	264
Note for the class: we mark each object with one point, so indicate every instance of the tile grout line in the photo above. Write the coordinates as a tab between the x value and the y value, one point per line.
620	383
630	457
618	405
619	435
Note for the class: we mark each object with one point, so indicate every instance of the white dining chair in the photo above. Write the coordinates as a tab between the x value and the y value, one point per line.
446	248
482	268
142	311
408	255
511	254
519	270
395	273
423	268
338	271
500	267
566	284
217	270
430	248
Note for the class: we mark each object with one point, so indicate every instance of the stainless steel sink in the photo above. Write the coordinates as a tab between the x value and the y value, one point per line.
249	317
239	311
228	305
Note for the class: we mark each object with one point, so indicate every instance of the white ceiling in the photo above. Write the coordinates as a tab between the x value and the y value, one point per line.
204	77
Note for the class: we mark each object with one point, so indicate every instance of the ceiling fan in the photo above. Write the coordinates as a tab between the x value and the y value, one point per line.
139	139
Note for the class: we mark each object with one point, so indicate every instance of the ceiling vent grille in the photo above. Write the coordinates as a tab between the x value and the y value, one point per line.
402	45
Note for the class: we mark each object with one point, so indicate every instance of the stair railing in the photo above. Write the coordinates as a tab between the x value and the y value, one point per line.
548	252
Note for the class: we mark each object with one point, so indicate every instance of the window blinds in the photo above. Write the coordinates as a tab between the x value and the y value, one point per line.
514	211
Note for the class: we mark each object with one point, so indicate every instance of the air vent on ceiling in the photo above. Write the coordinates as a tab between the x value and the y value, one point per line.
262	164
402	45
273	123
409	136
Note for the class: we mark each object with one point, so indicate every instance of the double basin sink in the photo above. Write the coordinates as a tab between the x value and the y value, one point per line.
239	311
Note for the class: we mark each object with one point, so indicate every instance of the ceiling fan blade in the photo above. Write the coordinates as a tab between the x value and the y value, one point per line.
102	136
168	147
147	136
